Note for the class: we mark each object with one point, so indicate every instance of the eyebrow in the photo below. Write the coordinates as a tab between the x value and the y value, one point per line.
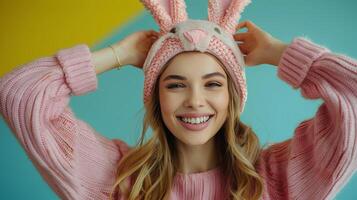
178	77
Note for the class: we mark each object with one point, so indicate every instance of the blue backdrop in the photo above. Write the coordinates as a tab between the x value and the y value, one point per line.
273	108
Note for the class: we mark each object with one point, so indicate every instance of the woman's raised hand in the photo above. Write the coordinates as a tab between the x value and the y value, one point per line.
133	49
258	46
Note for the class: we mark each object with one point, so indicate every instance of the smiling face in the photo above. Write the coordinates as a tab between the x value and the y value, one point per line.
193	94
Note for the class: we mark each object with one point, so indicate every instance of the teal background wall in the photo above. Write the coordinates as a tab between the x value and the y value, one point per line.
273	108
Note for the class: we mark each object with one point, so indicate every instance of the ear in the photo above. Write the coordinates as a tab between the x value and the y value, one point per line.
226	13
167	13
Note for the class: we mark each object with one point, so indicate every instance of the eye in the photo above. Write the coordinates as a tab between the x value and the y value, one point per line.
174	86
214	84
217	30
173	30
178	85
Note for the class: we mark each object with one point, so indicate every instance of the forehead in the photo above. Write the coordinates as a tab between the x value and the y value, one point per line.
193	64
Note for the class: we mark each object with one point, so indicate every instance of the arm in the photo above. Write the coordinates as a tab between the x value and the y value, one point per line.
75	160
34	103
104	59
131	51
322	155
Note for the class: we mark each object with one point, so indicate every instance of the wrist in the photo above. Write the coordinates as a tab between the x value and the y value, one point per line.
121	53
103	60
277	49
109	58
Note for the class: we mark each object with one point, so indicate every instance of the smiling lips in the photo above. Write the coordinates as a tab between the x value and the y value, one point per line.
195	122
195	115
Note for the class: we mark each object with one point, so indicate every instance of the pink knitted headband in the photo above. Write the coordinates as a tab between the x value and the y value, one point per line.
179	34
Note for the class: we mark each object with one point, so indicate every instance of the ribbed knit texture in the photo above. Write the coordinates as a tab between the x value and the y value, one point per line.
166	14
79	163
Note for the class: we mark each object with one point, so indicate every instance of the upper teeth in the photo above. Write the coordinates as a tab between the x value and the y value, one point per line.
196	120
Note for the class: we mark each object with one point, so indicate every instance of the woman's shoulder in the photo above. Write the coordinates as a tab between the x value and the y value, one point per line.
122	146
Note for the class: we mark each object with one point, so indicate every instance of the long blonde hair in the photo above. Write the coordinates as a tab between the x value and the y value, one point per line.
147	171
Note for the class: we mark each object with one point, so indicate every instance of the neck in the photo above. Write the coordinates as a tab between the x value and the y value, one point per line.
197	158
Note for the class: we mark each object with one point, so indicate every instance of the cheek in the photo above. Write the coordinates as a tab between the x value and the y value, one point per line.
168	104
220	101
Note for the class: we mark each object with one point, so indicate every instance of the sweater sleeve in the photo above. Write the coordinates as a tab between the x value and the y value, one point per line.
322	154
76	161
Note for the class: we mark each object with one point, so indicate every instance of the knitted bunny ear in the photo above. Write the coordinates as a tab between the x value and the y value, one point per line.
166	13
226	13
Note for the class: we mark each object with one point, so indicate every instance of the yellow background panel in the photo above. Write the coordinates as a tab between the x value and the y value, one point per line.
33	29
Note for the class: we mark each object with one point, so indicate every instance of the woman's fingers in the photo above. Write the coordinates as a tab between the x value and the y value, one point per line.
150	33
241	36
244	48
245	24
249	60
241	25
243	41
154	33
249	25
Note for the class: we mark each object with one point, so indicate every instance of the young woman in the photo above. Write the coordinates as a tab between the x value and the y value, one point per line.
199	148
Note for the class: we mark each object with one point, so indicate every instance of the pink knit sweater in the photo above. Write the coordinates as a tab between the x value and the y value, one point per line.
79	163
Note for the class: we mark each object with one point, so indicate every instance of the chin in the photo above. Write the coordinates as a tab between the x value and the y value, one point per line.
194	140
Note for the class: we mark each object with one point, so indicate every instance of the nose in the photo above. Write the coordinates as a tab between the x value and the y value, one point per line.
195	99
195	35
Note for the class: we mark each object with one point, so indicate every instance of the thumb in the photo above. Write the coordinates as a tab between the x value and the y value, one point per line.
249	60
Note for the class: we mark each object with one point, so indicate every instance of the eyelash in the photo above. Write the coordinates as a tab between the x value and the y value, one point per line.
175	85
